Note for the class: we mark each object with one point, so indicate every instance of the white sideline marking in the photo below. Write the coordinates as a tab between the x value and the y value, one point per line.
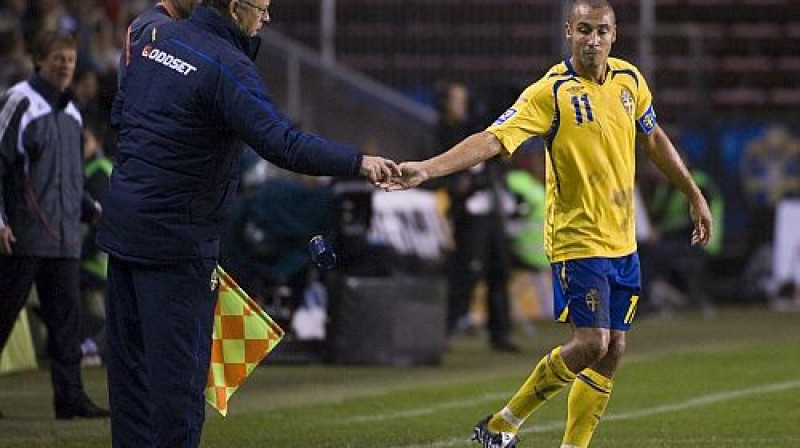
425	411
703	400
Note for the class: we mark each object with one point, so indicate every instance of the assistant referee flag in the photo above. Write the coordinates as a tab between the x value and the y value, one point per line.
243	335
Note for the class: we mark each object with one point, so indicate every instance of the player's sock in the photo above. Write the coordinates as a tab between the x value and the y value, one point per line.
587	402
548	377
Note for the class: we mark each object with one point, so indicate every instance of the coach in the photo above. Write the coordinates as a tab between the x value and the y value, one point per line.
192	95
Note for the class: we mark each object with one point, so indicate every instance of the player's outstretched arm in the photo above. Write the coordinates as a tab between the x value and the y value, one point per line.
471	151
662	152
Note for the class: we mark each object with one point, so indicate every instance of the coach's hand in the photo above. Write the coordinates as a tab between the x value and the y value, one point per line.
378	170
7	239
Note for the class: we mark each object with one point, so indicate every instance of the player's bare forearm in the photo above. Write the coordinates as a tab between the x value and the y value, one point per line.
662	153
469	152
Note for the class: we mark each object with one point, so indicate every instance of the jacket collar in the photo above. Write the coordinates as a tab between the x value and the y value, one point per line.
209	19
56	98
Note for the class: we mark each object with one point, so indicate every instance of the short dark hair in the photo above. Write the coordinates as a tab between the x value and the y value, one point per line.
592	4
49	41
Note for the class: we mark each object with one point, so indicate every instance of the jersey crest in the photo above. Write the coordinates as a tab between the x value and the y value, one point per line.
626	97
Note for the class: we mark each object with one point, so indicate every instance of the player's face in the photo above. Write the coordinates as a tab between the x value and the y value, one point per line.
591	31
252	15
58	67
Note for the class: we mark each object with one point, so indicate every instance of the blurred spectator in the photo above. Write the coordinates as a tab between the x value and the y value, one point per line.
531	284
478	204
43	200
13	9
14	65
84	90
526	182
47	15
97	171
674	272
526	231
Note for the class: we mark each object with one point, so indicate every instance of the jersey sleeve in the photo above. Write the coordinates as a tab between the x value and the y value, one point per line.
531	115
645	113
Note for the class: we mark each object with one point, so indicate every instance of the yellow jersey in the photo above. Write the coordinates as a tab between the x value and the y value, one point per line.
590	135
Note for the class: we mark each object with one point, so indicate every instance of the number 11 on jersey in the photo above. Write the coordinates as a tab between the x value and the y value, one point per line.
582	108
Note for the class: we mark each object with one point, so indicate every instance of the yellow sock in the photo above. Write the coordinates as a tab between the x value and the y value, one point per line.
548	377
587	402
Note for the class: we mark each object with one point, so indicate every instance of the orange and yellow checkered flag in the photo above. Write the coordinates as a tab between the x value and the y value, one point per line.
243	335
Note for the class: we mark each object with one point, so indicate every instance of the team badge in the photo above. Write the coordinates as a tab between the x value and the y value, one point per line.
627	100
214	280
592	299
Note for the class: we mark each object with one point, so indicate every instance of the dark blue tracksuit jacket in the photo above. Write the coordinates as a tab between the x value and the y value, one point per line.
191	97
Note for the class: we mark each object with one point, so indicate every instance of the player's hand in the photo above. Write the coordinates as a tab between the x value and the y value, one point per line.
701	218
378	170
412	174
7	239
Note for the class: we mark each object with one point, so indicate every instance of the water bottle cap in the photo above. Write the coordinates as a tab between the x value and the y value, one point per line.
322	253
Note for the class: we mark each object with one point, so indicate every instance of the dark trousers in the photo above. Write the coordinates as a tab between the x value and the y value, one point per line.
59	297
480	253
159	324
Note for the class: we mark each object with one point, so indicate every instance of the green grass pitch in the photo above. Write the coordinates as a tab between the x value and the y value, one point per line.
729	382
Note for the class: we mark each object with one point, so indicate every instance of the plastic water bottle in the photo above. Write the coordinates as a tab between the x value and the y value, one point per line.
322	253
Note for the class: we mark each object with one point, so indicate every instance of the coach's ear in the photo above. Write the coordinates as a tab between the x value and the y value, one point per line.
232	7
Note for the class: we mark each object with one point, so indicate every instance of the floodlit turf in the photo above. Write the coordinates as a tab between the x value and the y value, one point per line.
729	382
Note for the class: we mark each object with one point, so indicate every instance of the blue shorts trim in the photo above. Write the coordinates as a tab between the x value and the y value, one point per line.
597	292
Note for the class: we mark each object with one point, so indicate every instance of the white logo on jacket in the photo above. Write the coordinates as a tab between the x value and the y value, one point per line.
168	60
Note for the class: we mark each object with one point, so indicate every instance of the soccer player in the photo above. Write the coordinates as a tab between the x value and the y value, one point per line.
589	109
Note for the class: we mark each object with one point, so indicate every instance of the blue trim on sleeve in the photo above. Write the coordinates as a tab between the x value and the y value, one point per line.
551	133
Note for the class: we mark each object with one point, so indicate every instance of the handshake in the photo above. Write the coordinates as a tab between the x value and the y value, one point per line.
391	176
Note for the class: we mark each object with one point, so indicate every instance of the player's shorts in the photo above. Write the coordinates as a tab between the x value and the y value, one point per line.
597	292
